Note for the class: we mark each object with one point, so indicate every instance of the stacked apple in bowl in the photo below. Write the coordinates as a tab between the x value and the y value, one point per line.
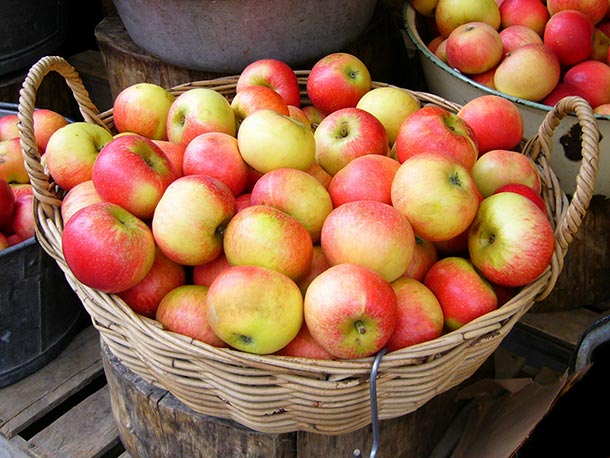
330	226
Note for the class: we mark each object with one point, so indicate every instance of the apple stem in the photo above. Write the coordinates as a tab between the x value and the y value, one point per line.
360	327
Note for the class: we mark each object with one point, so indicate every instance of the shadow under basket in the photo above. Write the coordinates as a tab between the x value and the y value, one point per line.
275	394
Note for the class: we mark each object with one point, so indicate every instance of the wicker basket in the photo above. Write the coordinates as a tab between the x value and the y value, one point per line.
274	394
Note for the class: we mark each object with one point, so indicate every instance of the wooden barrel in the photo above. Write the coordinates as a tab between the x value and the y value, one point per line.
153	423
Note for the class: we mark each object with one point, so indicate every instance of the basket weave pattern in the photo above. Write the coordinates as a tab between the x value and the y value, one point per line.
281	394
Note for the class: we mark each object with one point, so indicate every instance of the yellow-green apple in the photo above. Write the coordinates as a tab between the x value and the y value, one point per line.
424	255
595	10
316	171
12	166
72	151
511	241
391	105
529	72
437	194
474	47
252	98
133	172
482	114
273	73
246	302
517	35
419	314
532	14
196	111
216	154
298	114
7	204
265	236
367	177
46	122
313	114
163	276
337	80
319	264
463	293
601	43
79	196
352	321
297	193
424	7
450	14
174	152
269	140
526	191
189	220
184	310
142	108
108	248
348	133
499	167
434	129
592	80
204	274
304	346
369	233
569	34
8	126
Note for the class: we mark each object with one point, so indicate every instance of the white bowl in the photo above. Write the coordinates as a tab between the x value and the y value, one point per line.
450	84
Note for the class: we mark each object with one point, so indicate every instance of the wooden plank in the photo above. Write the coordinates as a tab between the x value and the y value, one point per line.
87	430
15	448
26	401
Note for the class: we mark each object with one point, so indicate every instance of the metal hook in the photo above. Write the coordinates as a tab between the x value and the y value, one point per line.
374	410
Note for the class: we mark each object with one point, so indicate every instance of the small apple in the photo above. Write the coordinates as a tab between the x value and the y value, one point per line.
511	242
314	115
273	73
216	154
108	248
184	310
8	126
350	322
592	80
569	34
204	274
196	111
526	191
72	151
437	194
245	302
369	233
425	254
434	129
532	14
163	276
304	346
12	166
516	35
346	134
252	98
133	172
81	195
462	292
450	14
337	80
269	140
265	236
190	218
46	122
474	47
419	314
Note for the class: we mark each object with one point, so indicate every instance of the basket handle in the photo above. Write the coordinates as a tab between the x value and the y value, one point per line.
572	211
27	103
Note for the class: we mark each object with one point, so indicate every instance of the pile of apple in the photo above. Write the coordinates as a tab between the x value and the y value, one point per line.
359	220
533	49
16	195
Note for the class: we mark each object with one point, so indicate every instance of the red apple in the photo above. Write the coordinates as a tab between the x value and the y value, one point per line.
346	134
184	310
7	204
482	114
163	276
529	13
515	36
337	80
133	172
474	47
304	346
450	14
526	191
569	34
273	73
425	254
350	322
369	233
595	10
23	222
319	264
12	166
46	122
367	177
592	79
462	292
20	189
437	194
485	78
204	274
174	152
243	200
419	318
563	89
216	154
81	195
434	129
252	98
108	248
